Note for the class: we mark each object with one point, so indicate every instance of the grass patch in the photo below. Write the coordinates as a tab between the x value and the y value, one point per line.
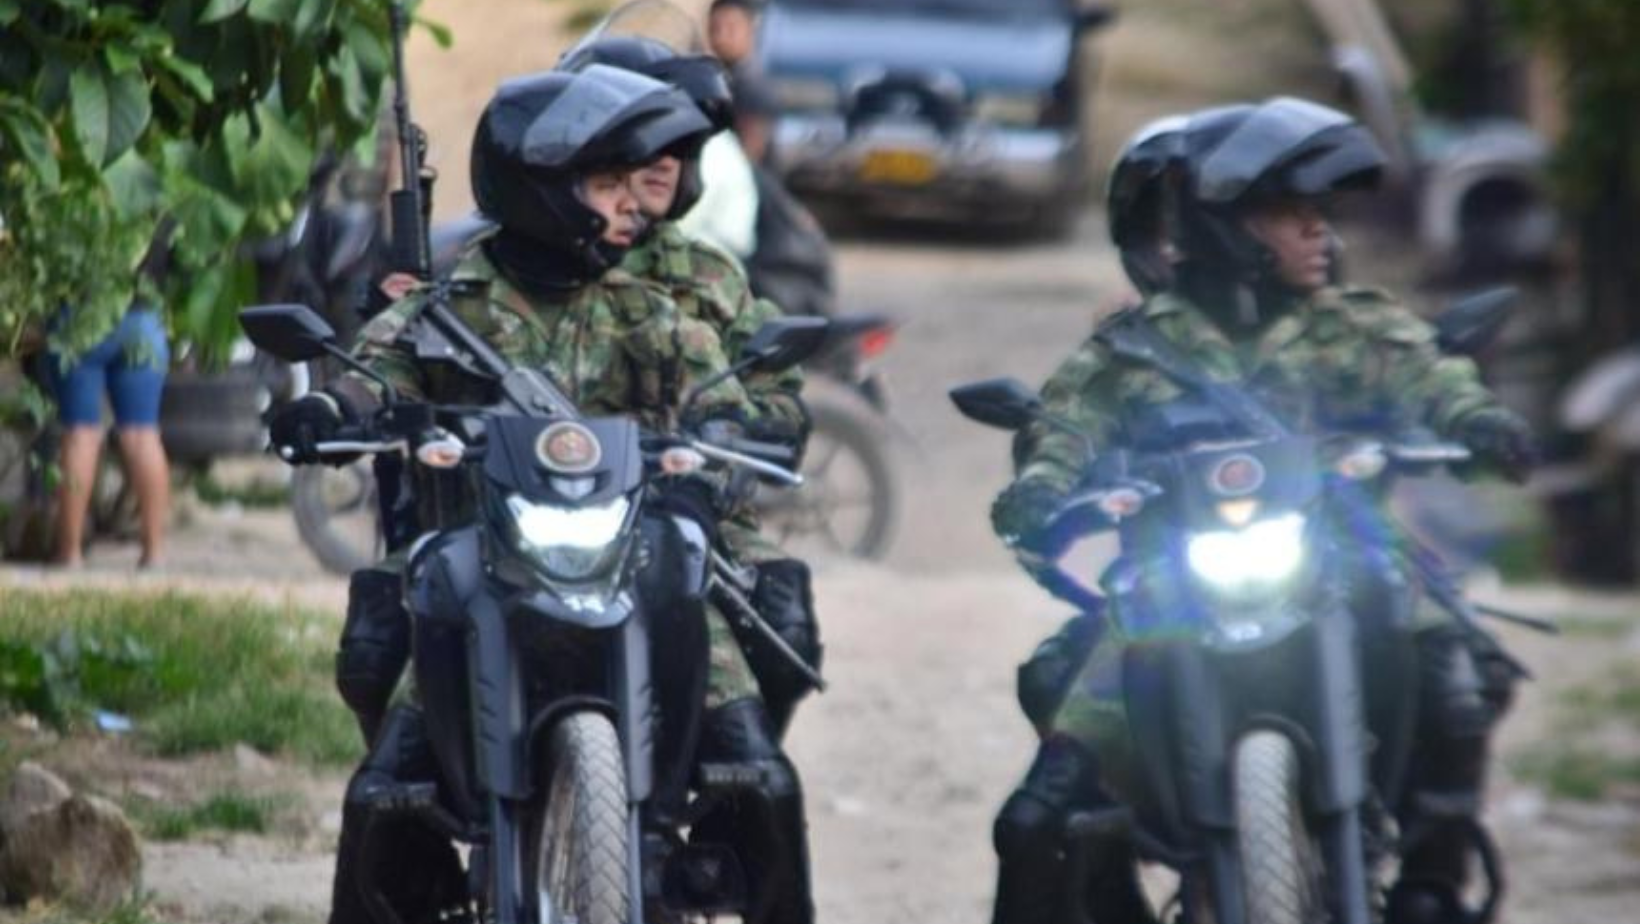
256	494
1579	760
195	673
136	911
1578	773
1593	627
229	811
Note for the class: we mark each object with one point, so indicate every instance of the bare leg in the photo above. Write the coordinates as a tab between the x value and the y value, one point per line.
81	447
150	475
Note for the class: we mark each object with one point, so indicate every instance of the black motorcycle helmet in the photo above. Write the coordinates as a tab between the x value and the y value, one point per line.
1136	200
1234	157
540	135
700	76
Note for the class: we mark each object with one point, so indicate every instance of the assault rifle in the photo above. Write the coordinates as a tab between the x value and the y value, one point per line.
411	204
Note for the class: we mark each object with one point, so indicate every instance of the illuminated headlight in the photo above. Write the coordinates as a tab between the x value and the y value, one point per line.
1266	553
571	543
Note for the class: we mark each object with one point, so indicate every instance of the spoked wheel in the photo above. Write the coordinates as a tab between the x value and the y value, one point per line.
849	499
336	515
579	851
1279	868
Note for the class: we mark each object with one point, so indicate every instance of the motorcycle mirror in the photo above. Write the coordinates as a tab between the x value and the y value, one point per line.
1003	403
1469	324
294	333
783	343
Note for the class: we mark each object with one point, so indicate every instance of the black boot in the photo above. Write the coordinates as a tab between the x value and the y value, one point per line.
784	599
393	860
1034	875
1460	700
766	826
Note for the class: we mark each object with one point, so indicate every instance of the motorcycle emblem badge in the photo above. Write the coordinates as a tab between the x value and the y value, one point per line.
569	448
1236	476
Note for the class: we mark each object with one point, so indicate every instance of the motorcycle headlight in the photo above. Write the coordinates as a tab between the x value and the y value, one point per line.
572	543
1262	556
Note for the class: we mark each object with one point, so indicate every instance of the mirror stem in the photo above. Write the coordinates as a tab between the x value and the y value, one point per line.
390	395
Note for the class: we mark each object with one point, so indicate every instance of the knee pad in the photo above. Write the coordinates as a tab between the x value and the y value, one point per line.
375	642
1033	819
1027	827
1454	697
1042	680
783	597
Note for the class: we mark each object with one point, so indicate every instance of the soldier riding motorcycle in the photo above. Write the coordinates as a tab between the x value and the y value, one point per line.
551	162
1243	354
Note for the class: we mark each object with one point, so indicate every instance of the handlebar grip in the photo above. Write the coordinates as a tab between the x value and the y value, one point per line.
771	452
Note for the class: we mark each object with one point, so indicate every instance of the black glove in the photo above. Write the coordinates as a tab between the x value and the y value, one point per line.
295	429
719	423
1021	516
1500	441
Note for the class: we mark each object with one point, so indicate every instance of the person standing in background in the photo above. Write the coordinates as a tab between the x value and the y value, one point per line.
129	366
731	30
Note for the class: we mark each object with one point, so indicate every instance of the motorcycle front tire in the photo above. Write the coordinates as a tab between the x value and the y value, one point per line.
1279	871
578	851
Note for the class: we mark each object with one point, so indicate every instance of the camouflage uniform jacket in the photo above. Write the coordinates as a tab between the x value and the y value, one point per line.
615	347
1341	356
709	285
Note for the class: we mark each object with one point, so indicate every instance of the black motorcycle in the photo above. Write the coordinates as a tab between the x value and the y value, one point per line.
559	646
1268	667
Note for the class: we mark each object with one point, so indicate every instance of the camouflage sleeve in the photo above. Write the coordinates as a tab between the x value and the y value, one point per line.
1074	394
378	347
701	356
688	348
774	394
1439	389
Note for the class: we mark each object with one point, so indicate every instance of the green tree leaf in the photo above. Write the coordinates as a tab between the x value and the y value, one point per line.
129	110
371	48
9	10
26	133
314	15
110	112
273	11
345	68
134	185
191	74
218	10
88	89
439	31
122	60
296	74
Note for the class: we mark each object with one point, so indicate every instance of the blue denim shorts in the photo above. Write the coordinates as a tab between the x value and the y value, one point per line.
128	365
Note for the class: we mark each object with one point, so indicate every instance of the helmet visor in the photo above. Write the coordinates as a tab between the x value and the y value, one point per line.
599	99
1270	137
